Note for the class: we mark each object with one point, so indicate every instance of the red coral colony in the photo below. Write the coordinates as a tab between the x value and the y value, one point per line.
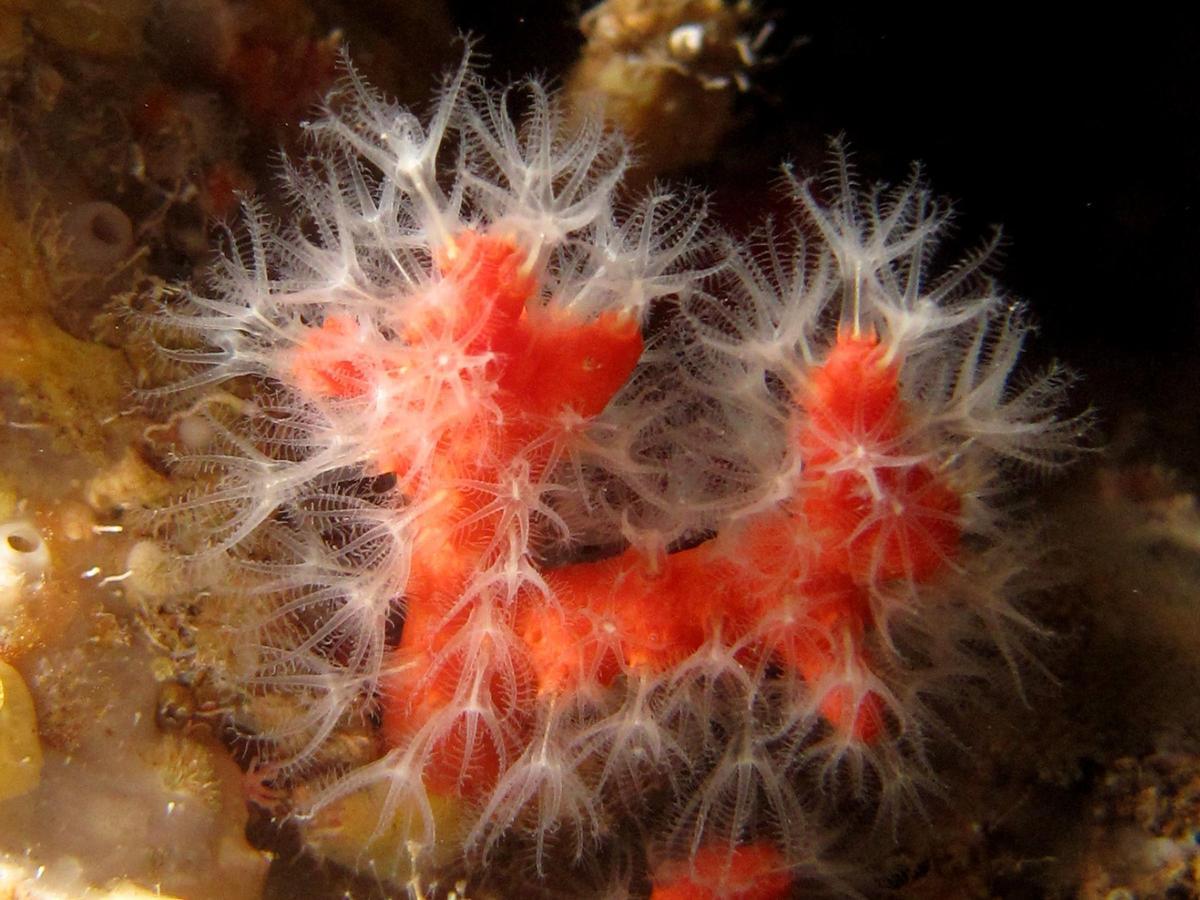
708	583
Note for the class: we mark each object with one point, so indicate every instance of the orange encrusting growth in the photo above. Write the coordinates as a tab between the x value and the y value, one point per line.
653	618
792	587
747	872
796	579
854	391
545	365
558	362
321	366
883	508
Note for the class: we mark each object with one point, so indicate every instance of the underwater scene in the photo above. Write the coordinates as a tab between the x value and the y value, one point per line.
671	449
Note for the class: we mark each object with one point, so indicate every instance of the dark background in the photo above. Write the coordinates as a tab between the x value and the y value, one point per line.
1078	135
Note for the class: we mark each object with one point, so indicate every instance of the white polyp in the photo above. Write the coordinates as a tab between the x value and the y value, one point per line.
24	561
22	550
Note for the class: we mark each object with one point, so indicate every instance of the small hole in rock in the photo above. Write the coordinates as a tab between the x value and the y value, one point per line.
23	543
104	230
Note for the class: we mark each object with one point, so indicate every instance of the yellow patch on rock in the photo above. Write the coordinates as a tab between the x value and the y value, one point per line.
20	750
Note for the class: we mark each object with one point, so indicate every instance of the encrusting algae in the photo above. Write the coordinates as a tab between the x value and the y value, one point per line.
149	812
20	751
54	380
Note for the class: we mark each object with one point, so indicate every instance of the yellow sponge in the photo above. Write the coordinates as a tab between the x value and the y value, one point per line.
20	752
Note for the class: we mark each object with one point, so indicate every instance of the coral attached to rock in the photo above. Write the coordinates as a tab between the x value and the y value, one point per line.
602	528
